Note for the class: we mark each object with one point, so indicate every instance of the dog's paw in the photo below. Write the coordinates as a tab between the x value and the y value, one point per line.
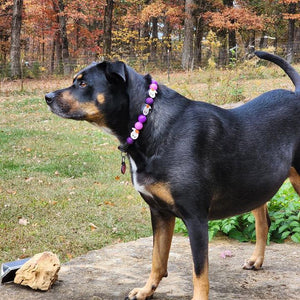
139	294
254	263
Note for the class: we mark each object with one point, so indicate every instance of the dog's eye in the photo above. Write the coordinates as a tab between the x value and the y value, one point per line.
82	84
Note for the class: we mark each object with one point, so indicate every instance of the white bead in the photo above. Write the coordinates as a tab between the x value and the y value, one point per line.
152	93
146	109
134	134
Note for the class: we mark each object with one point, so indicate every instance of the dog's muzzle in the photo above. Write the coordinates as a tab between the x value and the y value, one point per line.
49	98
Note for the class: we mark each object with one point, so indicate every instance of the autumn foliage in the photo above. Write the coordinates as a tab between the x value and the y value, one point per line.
232	18
75	32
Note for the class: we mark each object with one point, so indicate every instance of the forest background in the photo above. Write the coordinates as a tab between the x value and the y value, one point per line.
59	36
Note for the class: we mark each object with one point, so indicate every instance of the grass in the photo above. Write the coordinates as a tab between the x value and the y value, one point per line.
60	183
61	176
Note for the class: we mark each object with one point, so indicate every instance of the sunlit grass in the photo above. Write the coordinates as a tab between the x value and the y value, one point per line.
61	176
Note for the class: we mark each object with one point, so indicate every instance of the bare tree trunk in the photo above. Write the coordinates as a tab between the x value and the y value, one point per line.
291	34
231	34
108	14
64	37
52	57
57	45
167	46
145	34
297	43
58	51
187	54
154	39
198	40
15	49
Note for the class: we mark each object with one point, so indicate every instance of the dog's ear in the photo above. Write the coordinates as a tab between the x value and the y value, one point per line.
115	71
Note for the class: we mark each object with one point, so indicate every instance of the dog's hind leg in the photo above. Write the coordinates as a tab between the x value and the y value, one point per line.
295	180
262	224
163	228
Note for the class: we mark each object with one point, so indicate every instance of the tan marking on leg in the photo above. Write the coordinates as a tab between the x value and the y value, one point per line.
201	284
162	191
295	180
161	248
261	229
100	98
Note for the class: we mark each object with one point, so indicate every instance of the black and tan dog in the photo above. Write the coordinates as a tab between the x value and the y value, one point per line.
191	159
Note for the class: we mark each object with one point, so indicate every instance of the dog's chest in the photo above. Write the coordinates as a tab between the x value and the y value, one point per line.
156	193
141	188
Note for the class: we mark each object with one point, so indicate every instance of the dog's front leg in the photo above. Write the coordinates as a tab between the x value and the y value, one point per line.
163	228
198	234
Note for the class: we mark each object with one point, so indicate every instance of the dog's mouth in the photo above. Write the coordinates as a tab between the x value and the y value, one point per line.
74	116
65	106
63	109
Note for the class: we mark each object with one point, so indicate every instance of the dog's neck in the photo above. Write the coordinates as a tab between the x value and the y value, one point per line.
141	121
167	106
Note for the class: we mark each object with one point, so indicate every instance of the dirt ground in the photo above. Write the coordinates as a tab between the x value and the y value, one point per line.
110	273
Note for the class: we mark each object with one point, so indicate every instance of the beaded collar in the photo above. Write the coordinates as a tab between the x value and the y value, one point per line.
138	126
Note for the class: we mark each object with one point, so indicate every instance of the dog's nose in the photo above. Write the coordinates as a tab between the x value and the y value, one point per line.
49	97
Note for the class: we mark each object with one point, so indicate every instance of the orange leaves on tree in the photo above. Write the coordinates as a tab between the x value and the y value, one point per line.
234	18
173	11
288	1
294	15
155	9
291	16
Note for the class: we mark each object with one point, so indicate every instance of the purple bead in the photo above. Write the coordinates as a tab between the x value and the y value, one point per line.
138	125
142	118
154	82
129	140
149	101
153	86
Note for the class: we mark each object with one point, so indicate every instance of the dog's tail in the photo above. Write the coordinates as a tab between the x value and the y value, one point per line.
287	68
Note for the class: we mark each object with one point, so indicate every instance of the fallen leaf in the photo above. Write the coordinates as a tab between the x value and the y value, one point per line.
12	192
29	179
93	226
23	221
69	255
109	203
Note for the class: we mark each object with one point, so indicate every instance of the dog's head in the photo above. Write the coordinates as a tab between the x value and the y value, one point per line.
97	91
